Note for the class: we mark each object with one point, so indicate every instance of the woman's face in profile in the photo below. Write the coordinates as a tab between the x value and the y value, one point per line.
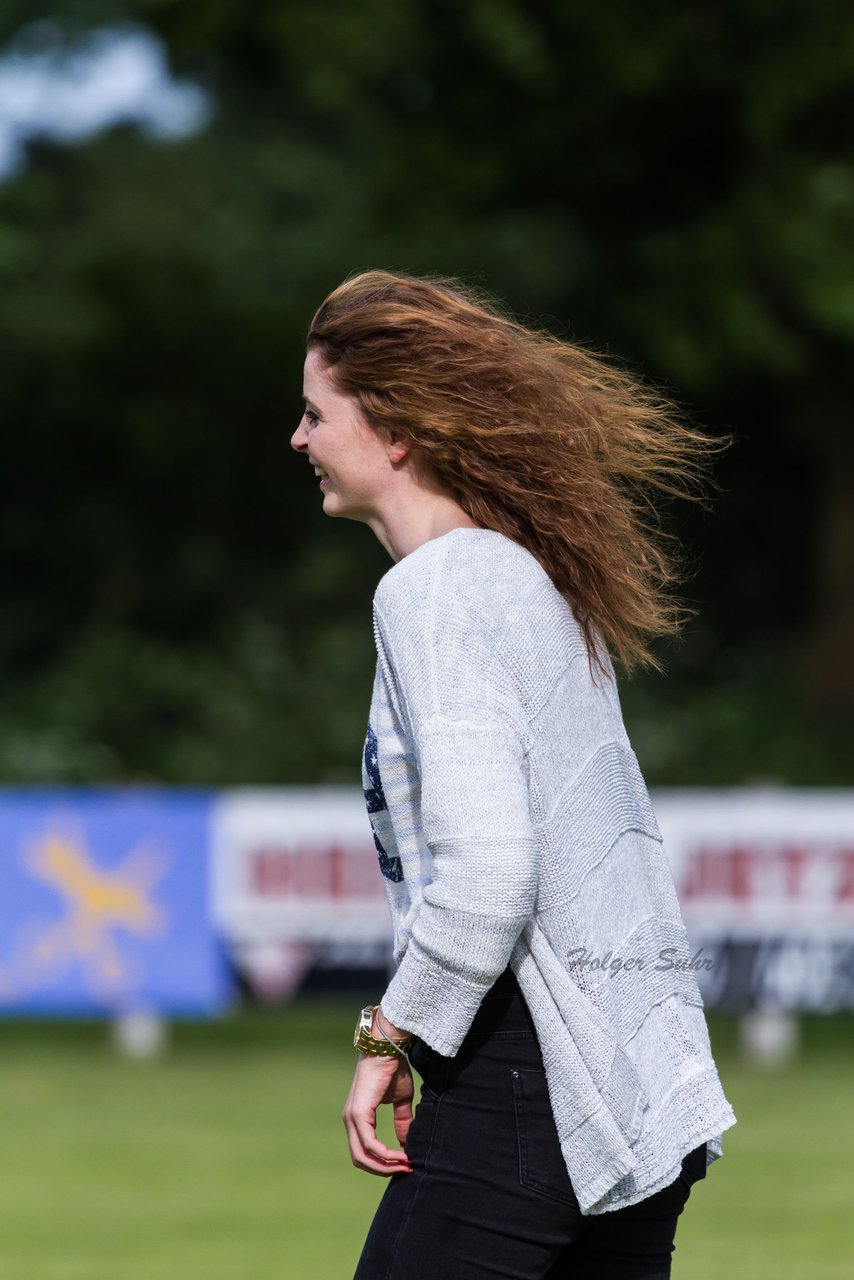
335	438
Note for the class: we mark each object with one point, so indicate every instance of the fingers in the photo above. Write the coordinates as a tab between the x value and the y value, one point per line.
366	1150
402	1120
374	1155
376	1082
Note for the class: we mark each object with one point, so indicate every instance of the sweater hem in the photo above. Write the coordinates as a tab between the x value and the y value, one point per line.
711	1133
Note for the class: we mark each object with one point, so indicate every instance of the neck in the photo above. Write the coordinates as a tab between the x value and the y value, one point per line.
404	529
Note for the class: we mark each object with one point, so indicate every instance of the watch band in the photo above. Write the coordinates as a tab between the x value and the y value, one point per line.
371	1045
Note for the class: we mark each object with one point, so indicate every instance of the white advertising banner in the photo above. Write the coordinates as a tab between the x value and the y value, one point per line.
760	861
296	882
765	878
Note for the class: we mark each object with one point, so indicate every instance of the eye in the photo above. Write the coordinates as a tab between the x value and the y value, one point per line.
311	417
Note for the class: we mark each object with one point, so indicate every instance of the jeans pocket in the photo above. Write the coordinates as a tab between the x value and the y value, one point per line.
541	1164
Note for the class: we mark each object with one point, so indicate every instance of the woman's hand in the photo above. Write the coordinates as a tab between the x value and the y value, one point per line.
378	1080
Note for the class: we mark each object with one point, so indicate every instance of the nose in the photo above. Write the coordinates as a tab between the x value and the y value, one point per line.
299	440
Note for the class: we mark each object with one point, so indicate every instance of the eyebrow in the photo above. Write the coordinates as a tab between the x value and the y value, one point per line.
310	404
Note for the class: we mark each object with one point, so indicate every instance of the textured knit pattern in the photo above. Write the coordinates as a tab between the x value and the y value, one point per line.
513	826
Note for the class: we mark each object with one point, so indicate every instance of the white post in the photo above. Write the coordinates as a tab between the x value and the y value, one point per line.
140	1034
769	1037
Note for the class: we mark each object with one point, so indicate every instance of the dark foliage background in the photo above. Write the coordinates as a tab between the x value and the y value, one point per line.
673	185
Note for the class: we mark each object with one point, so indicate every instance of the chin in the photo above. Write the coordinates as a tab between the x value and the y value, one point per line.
334	510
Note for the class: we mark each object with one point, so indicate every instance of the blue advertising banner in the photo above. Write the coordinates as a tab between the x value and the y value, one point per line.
105	904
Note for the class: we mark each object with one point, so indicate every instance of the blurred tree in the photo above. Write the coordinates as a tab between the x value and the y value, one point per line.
676	183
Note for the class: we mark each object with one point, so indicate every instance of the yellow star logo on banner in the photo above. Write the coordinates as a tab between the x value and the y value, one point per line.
96	904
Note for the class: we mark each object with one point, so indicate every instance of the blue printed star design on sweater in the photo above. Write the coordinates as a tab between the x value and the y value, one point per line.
375	799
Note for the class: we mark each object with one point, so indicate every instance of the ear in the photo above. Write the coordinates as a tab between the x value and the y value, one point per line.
397	451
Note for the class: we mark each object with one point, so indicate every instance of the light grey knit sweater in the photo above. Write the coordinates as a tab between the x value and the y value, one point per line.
513	826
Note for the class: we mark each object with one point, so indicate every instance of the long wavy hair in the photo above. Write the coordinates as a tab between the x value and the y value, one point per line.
546	442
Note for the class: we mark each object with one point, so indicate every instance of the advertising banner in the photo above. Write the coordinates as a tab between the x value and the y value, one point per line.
296	884
765	878
104	904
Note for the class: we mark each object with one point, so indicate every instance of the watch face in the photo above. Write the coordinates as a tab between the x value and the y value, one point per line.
366	1017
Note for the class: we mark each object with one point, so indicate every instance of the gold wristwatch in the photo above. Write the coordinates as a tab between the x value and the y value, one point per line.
366	1043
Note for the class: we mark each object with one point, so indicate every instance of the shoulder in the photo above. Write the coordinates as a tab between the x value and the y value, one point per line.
478	590
472	617
480	572
441	617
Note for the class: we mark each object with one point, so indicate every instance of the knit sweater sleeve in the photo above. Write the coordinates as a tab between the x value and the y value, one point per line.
445	671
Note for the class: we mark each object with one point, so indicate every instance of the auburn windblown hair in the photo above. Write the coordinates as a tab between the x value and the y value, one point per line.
548	443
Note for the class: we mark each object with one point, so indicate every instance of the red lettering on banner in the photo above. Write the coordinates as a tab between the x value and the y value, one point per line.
788	873
794	864
743	864
310	871
693	880
360	878
846	879
720	873
337	858
270	872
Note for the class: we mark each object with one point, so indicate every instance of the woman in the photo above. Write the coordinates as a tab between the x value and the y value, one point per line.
569	1097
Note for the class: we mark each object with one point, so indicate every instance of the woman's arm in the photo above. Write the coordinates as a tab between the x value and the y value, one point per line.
461	714
379	1032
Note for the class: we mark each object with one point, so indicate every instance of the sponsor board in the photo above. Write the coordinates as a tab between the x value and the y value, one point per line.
104	904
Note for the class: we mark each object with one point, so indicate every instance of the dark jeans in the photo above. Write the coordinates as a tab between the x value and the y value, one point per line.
489	1194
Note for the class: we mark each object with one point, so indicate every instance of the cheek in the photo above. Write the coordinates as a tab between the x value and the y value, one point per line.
358	457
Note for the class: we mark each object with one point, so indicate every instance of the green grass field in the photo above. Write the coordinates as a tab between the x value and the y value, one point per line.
227	1160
